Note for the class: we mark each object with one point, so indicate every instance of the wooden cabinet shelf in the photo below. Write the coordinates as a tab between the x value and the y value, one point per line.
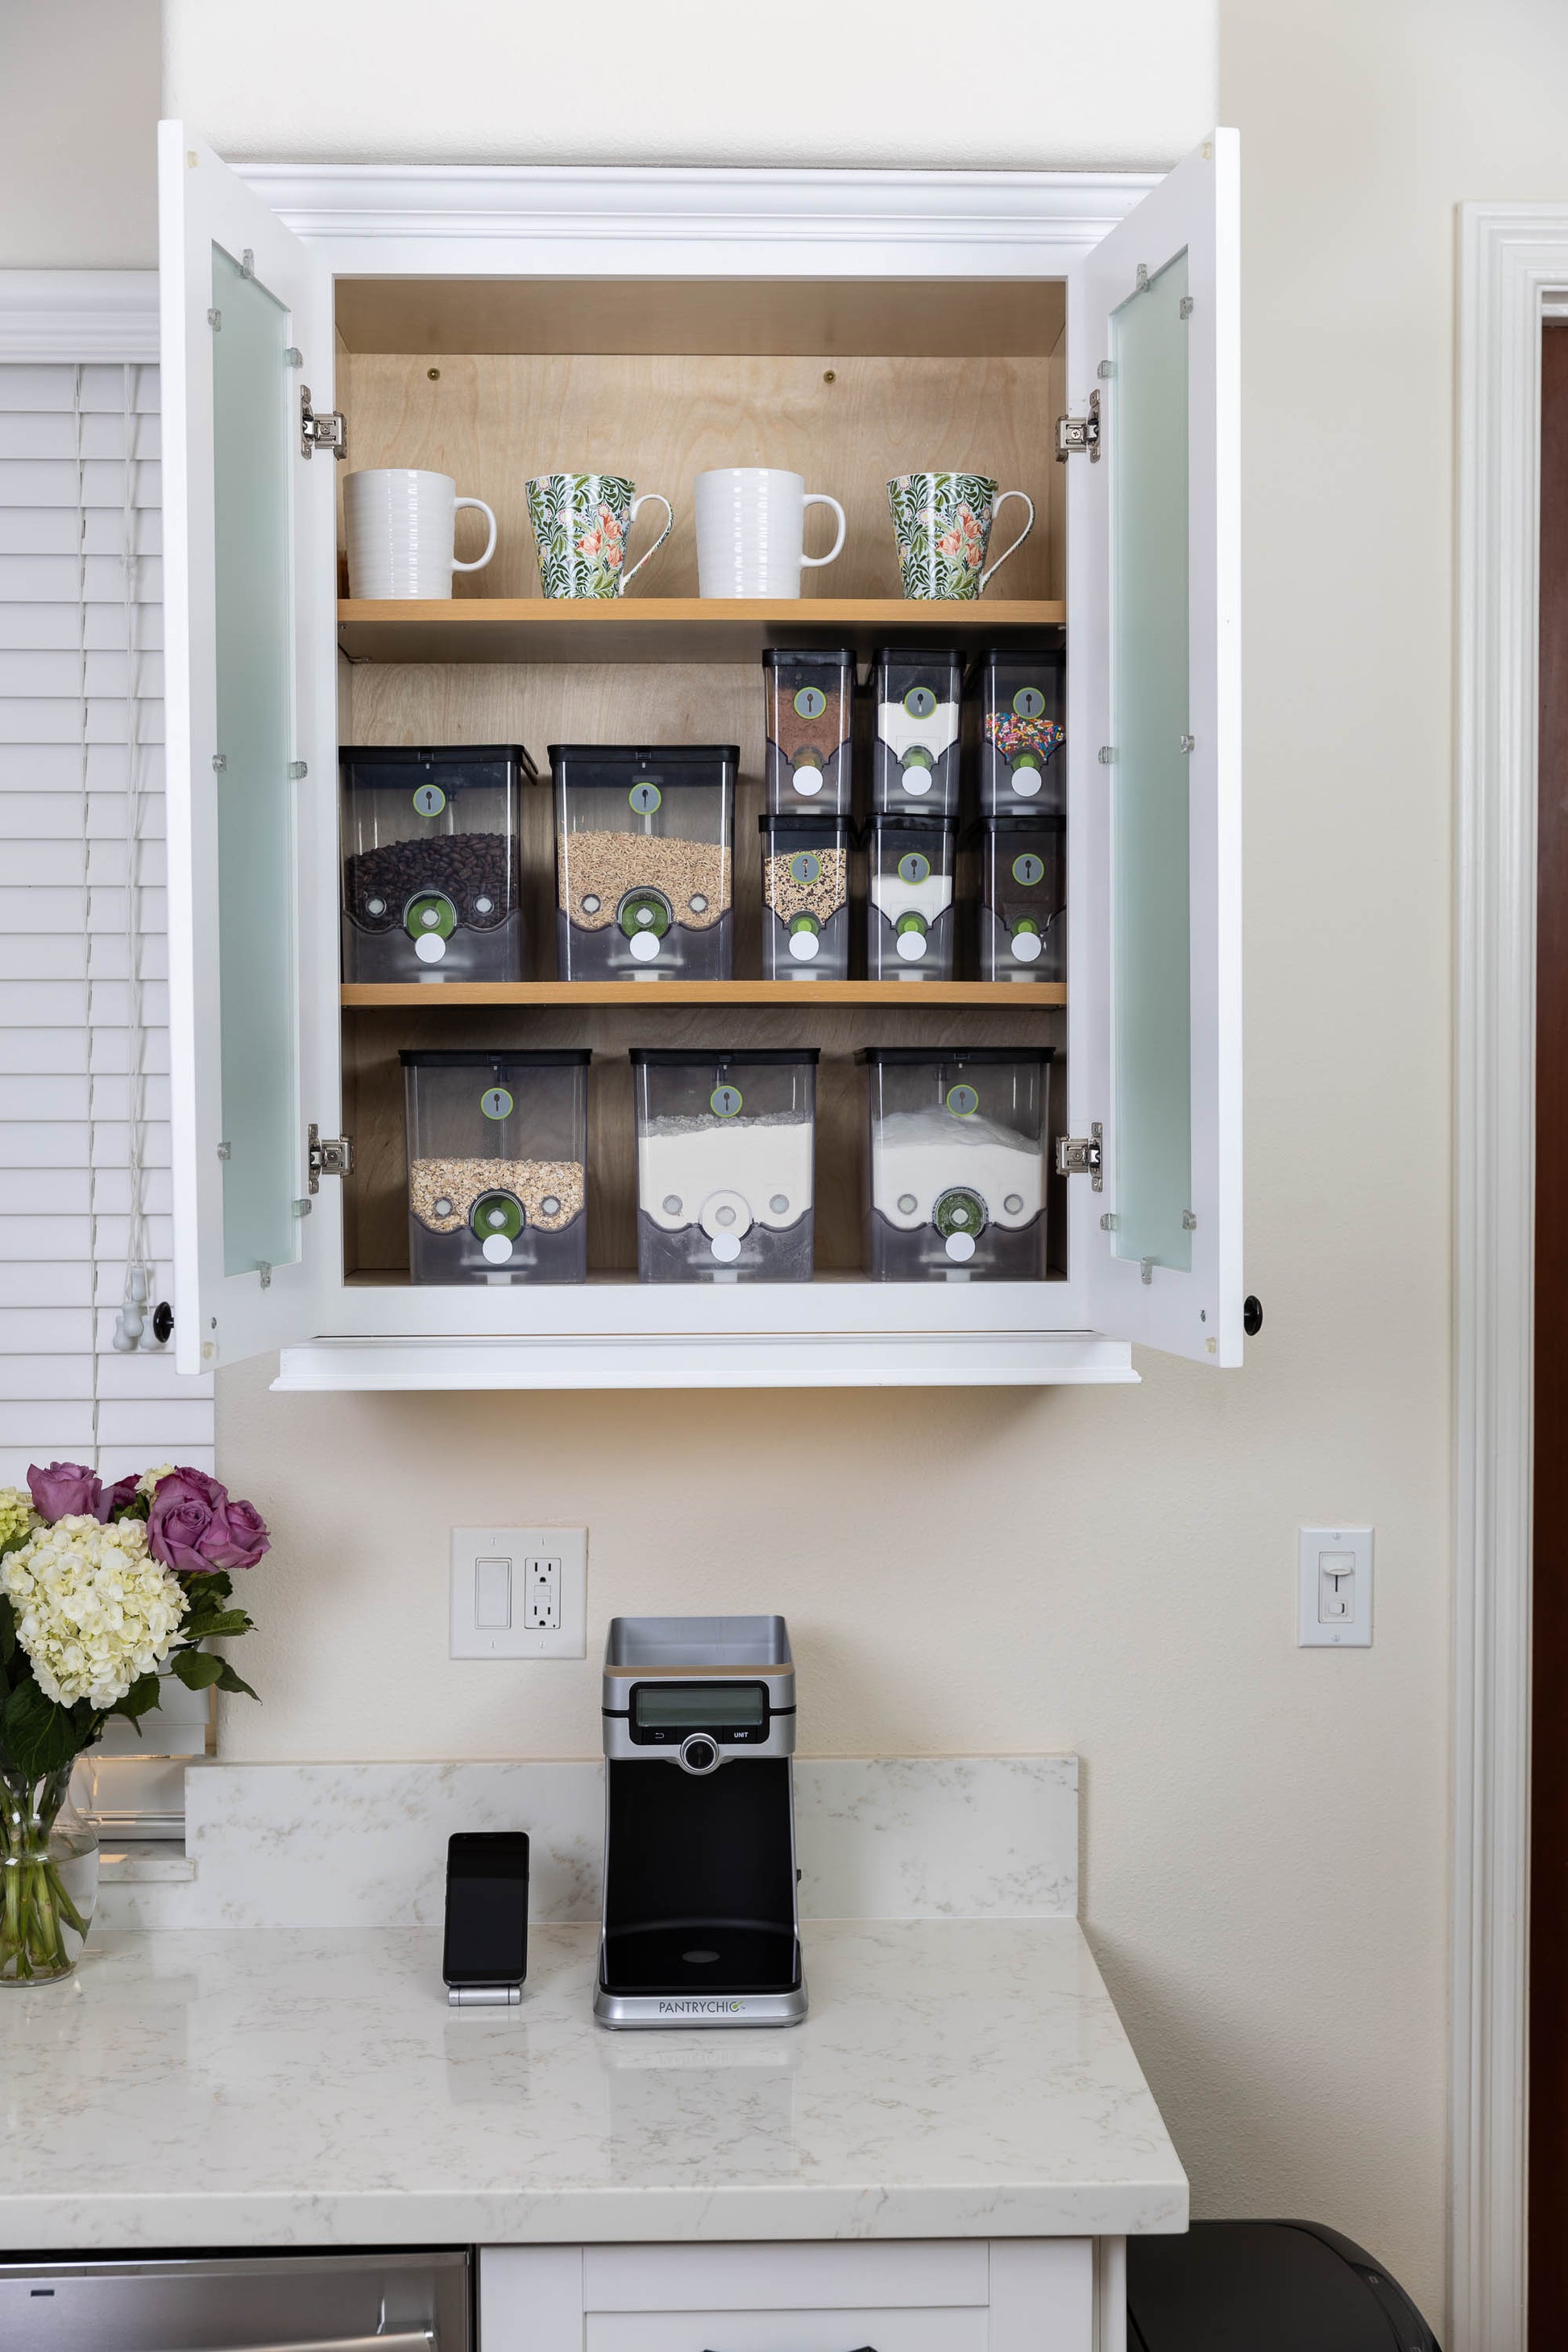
991	996
670	628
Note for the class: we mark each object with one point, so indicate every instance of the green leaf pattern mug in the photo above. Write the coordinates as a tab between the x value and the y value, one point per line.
581	523
942	525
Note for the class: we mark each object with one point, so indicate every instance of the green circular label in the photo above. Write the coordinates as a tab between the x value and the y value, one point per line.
429	800
724	1101
644	910
430	915
919	702
497	1213
806	867
963	1102
913	867
959	1211
645	798
1028	869
1029	702
496	1103
811	702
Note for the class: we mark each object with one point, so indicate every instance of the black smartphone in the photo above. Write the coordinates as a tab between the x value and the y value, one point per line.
487	1908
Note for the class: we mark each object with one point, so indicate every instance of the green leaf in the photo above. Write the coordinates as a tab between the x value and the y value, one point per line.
221	1620
198	1669
142	1695
228	1680
211	1584
39	1736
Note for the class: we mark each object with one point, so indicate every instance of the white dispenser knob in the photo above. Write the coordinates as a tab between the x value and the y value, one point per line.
644	946
960	1247
498	1249
429	947
912	946
1027	947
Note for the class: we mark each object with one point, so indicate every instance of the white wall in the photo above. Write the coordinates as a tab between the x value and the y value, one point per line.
1017	83
78	112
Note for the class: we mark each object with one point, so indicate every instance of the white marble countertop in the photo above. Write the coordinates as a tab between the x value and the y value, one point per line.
307	2086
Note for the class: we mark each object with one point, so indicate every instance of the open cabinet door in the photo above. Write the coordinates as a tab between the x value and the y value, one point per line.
1155	710
248	573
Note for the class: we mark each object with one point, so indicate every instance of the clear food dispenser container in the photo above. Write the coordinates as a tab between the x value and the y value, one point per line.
805	897
1019	763
811	707
497	1158
910	920
917	694
643	863
431	874
1020	904
725	1164
958	1162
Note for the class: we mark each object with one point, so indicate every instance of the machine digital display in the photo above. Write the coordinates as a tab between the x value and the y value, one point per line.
699	1707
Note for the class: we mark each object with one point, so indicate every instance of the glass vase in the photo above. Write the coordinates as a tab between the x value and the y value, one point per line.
48	1877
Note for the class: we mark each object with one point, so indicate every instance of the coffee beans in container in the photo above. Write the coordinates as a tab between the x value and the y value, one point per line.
431	877
644	866
810	710
498	1152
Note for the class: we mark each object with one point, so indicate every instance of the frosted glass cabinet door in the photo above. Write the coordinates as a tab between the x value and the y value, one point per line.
1154	696
247	541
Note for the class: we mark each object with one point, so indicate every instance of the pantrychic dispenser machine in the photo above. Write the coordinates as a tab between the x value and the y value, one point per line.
702	1924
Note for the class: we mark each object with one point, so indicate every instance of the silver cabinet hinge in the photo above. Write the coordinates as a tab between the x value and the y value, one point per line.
264	1268
1106	755
298	772
1189	1221
293	357
1189	742
1142	285
1079	432
1078	1155
220	764
328	1155
1186	305
215	321
1145	1269
328	431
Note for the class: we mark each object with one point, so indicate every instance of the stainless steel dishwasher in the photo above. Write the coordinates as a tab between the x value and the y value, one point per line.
393	2302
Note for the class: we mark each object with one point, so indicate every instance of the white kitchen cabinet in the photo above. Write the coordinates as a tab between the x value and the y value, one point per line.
479	317
956	2294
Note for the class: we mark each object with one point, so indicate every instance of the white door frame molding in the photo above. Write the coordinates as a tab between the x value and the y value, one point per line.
1514	266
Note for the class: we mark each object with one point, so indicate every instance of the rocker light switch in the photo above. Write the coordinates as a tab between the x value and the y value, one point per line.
492	1595
1334	1589
519	1592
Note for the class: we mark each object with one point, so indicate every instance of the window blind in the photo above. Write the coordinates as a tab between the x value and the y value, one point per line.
84	1062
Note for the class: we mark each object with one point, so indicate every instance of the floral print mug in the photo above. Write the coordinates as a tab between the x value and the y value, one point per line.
942	525
580	525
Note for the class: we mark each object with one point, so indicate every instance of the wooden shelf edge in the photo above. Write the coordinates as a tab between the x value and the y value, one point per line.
653	611
1019	996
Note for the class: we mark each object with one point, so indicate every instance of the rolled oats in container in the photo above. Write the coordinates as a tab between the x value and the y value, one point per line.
644	865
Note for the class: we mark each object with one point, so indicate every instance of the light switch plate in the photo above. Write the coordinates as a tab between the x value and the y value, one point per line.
1333	1586
489	1582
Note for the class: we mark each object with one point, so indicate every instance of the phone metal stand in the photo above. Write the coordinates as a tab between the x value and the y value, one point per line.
497	1996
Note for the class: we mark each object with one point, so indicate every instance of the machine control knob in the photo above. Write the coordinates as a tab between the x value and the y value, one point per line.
699	1753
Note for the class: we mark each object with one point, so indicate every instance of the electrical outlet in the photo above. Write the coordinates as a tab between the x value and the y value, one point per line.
542	1594
520	1592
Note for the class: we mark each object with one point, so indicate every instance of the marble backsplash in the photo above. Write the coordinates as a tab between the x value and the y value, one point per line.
364	1845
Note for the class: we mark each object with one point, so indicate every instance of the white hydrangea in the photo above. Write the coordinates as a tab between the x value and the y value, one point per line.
94	1610
148	1482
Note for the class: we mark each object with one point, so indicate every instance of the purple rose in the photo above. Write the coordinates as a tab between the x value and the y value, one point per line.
65	1489
193	1526
118	1498
236	1537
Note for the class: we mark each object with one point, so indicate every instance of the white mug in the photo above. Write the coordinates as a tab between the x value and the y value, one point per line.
750	527
400	532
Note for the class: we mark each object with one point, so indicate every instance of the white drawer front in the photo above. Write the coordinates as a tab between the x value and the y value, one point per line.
888	2276
946	2328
